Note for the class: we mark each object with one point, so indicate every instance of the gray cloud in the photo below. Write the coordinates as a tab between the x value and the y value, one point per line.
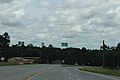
5	1
11	23
78	22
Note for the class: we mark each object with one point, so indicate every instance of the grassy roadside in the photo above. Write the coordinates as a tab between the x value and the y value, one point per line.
102	71
65	65
6	64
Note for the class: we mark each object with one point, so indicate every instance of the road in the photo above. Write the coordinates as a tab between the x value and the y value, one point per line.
47	72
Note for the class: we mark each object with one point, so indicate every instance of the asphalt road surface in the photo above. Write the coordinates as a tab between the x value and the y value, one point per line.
47	72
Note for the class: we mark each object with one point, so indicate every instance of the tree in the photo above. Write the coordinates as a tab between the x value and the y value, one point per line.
43	45
50	46
104	47
1	38
4	43
30	45
83	49
5	40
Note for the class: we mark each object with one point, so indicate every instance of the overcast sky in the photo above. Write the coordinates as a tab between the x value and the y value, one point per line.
81	23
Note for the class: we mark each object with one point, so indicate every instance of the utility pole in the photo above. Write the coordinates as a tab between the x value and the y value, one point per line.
103	63
21	45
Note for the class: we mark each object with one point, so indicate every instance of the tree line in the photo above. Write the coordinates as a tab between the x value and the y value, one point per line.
106	56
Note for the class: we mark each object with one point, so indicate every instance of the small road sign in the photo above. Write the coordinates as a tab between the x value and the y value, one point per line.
2	58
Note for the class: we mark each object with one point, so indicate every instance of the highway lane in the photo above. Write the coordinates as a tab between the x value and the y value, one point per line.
47	72
19	72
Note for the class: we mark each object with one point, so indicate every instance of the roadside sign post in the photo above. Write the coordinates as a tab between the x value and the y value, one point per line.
63	61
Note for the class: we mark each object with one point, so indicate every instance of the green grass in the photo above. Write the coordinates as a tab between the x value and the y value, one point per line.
7	64
102	71
64	65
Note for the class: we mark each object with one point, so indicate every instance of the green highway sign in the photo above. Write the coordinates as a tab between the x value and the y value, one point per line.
64	44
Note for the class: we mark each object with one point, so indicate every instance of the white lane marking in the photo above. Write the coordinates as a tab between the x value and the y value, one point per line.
70	74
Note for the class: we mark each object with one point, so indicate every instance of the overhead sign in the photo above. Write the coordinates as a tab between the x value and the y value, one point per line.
64	44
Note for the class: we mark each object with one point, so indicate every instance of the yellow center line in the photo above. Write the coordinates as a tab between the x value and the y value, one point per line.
34	75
